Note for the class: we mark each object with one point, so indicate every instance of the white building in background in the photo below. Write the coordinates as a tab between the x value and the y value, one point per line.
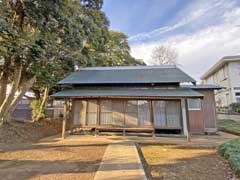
226	73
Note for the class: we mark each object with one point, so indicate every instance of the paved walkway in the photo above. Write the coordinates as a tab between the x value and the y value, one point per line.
121	162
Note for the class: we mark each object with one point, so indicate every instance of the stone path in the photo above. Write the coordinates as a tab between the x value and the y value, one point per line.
121	162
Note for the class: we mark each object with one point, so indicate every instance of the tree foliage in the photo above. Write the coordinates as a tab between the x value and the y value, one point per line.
235	107
118	51
42	40
163	55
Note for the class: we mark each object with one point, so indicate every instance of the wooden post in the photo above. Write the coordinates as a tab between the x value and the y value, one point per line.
98	118
124	122
187	118
70	116
153	133
152	118
64	119
124	132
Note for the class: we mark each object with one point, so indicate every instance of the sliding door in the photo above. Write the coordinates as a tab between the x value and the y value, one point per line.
118	109
159	113
106	112
112	113
91	112
167	114
120	113
144	113
173	114
131	113
79	112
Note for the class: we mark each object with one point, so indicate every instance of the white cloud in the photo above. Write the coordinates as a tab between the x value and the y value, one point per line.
193	12
199	50
165	29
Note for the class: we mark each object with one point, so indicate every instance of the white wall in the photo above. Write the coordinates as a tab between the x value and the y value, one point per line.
227	76
234	74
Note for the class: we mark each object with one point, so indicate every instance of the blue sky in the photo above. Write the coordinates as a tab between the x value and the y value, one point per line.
202	31
137	16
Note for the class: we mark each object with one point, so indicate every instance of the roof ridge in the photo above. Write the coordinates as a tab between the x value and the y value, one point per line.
127	67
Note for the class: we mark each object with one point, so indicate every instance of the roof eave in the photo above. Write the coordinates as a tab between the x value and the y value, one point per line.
218	65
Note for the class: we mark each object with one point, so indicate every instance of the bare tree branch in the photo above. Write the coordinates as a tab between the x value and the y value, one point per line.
164	55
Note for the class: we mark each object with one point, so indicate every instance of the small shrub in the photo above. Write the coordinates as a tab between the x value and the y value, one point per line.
35	106
234	162
235	107
230	150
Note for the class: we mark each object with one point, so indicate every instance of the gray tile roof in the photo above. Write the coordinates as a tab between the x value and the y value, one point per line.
132	74
128	92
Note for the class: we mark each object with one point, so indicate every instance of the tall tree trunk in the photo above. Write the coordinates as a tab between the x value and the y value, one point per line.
24	88
43	103
4	80
3	87
9	98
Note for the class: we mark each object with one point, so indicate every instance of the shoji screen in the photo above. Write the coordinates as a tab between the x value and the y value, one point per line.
79	112
159	113
92	112
144	113
118	110
106	112
173	114
131	115
112	113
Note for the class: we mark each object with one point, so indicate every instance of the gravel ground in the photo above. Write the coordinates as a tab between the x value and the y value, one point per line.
176	162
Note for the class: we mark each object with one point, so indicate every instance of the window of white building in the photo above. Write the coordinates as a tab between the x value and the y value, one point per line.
237	95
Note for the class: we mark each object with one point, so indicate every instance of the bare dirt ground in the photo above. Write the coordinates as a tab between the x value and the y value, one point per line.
51	159
27	132
79	156
178	162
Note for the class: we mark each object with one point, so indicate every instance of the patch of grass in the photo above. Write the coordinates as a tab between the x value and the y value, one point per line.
229	125
231	151
186	162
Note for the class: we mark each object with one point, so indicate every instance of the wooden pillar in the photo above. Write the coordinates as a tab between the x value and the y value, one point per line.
152	118
64	119
124	132
187	120
98	117
70	116
184	107
124	122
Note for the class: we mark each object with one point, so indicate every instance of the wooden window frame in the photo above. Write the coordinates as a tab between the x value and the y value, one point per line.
194	109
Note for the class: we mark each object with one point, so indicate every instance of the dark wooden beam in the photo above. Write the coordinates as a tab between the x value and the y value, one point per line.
64	118
152	118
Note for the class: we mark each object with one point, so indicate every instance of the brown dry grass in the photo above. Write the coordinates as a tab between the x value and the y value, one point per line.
175	162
